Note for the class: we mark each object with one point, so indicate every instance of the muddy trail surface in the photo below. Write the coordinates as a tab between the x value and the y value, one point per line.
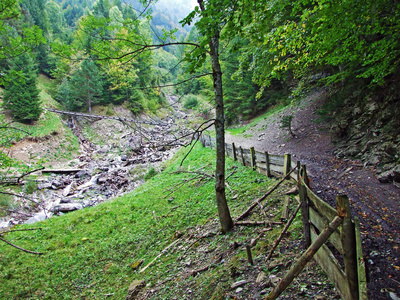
376	204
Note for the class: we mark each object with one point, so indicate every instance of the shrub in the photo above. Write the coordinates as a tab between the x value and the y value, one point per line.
150	173
191	102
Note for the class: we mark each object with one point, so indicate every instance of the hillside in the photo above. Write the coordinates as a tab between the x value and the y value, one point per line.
98	251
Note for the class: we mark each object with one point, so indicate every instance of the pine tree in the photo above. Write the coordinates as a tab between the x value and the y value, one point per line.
21	96
86	86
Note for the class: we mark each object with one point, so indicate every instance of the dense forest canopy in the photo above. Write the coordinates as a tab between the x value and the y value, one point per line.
269	49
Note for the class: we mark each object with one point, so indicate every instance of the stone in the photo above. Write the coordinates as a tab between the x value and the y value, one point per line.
45	185
393	296
69	189
239	283
66	207
261	276
134	289
292	191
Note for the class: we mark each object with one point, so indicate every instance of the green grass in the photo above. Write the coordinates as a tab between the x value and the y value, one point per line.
242	129
90	253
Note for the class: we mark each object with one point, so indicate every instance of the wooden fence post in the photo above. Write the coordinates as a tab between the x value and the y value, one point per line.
298	171
202	140
287	164
210	141
362	279
242	154
267	164
305	176
305	214
253	158
348	238
304	259
234	152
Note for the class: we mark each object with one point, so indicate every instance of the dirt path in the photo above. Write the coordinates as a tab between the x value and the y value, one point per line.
377	205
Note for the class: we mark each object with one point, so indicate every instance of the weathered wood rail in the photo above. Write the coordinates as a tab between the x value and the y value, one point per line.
345	241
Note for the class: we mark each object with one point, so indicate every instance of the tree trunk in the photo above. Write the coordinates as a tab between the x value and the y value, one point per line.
223	209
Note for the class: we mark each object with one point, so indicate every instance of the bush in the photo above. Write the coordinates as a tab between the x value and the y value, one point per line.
191	102
150	173
30	187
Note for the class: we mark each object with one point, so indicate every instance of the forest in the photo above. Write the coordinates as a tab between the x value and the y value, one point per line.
230	64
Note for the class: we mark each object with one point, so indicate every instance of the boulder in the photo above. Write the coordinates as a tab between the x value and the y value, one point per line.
134	289
66	207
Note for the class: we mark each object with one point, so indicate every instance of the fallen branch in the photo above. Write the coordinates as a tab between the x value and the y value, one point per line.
278	240
305	258
27	173
254	241
158	256
195	272
246	213
19	248
256	223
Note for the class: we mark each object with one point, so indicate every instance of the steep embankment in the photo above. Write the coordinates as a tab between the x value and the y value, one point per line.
169	224
376	204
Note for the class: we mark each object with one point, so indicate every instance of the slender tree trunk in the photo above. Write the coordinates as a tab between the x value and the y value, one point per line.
223	209
88	96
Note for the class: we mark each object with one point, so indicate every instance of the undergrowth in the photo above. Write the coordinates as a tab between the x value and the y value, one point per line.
94	252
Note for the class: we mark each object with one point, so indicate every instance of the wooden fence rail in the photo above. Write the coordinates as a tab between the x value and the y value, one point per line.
350	280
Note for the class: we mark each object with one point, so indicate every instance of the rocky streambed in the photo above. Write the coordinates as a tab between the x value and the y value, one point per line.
115	158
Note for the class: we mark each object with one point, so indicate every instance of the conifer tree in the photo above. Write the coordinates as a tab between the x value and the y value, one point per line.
86	86
21	95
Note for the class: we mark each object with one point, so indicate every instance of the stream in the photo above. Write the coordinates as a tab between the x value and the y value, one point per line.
113	162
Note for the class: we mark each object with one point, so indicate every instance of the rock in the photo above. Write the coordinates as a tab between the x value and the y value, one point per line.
134	289
238	290
274	280
136	264
45	185
38	217
390	176
69	189
385	177
66	207
239	283
292	191
261	276
393	296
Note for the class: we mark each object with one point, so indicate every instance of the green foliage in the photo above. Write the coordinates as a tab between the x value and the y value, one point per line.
6	202
286	123
190	102
30	187
21	95
150	173
16	37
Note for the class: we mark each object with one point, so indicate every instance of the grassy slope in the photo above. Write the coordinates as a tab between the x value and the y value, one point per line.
89	253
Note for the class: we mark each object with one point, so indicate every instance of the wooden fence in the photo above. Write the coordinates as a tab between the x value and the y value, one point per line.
349	274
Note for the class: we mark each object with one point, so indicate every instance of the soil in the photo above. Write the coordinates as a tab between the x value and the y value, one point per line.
376	204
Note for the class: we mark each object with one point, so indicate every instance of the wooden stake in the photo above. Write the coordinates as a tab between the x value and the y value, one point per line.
158	256
304	259
249	256
278	240
287	164
234	152
305	215
242	155
253	158
349	245
245	214
267	164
